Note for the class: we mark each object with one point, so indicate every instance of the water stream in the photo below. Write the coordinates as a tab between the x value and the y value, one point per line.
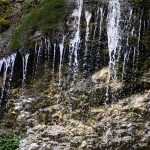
25	65
75	42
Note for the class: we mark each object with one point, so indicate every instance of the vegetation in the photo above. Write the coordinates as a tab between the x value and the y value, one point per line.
46	17
4	1
5	14
11	143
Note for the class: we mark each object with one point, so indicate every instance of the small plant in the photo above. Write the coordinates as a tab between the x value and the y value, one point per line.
11	143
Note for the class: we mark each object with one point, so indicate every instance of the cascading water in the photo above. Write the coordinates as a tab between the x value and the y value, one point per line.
1	64
37	57
99	29
54	57
61	48
92	54
101	21
127	49
8	63
6	66
113	31
139	36
48	49
88	18
74	43
13	58
95	27
25	65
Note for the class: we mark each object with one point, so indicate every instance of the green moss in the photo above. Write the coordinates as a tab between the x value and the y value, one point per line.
3	21
4	24
45	17
5	15
5	1
11	143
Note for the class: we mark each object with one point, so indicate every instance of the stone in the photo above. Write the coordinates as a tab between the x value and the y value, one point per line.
34	146
55	131
37	34
83	145
100	76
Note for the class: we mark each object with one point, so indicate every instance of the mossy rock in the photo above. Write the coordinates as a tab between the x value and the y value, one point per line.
46	17
4	24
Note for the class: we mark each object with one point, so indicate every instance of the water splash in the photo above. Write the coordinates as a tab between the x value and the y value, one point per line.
113	31
99	26
54	57
127	46
1	64
74	43
25	65
13	59
101	21
61	48
48	49
88	16
95	27
8	64
139	37
38	53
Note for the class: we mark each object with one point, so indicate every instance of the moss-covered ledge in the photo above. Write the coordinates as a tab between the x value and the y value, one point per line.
46	17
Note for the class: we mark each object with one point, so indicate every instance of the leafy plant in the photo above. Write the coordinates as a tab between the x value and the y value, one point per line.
10	143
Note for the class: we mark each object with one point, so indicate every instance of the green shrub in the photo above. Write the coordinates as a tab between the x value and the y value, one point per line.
11	143
46	17
4	1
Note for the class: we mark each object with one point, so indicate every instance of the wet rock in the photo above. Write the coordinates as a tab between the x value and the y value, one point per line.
37	34
56	131
100	76
34	146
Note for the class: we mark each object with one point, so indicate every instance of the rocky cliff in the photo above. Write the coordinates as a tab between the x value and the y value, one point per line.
75	74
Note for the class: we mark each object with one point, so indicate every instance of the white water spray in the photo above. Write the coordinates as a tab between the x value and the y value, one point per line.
113	31
74	43
25	65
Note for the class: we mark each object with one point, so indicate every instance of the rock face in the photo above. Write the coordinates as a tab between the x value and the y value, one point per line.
80	88
120	125
146	77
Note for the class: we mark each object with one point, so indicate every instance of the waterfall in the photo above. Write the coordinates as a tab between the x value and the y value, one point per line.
61	48
1	64
25	65
95	27
101	21
127	46
38	53
13	58
88	18
139	36
35	54
6	66
54	56
8	63
48	49
113	31
74	43
99	26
